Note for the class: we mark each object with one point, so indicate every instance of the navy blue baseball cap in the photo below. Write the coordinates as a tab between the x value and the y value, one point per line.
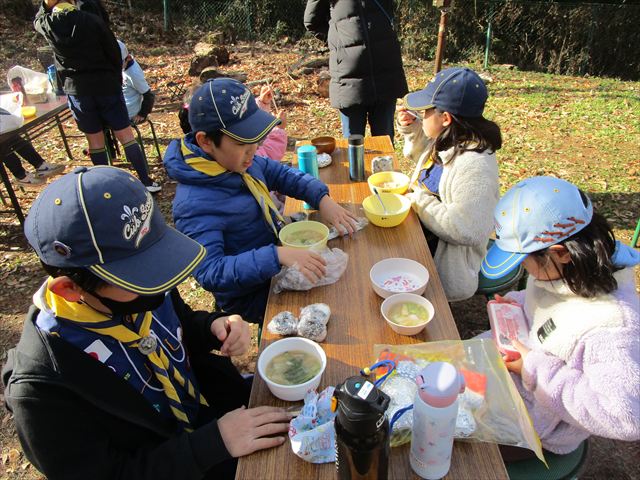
456	90
228	105
102	218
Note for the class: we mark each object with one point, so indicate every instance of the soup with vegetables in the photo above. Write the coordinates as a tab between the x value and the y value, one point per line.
408	314
304	238
293	368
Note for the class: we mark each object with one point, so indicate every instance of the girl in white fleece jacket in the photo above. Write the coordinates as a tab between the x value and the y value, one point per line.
454	187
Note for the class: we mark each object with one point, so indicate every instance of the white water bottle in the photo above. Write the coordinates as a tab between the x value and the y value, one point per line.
435	410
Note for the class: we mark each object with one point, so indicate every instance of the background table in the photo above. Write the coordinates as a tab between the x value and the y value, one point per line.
356	325
48	115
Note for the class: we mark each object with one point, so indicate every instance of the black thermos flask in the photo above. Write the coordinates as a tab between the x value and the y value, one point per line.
362	430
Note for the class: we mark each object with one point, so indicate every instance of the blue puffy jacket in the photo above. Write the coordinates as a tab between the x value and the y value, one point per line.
220	213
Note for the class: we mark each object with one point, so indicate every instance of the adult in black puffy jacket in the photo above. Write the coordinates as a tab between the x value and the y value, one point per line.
364	61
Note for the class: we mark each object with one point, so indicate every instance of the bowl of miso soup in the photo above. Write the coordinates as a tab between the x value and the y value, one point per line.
307	234
291	367
407	313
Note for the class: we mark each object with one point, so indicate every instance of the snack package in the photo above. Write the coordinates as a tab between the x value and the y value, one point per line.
490	410
507	323
312	432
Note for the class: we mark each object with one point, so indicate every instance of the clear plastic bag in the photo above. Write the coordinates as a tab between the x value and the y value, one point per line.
492	399
291	278
34	83
10	112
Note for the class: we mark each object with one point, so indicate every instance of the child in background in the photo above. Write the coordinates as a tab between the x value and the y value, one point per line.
454	186
222	199
579	375
87	58
137	93
26	151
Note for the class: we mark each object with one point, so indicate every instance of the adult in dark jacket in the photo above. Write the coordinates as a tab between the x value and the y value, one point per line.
364	61
87	58
112	377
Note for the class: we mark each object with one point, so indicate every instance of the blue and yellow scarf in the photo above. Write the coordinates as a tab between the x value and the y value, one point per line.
258	189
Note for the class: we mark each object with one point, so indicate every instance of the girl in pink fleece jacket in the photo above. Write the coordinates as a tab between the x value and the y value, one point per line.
579	372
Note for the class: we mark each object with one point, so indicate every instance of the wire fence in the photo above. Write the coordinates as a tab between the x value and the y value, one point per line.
555	36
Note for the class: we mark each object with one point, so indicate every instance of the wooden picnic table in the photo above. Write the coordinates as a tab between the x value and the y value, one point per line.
356	325
48	115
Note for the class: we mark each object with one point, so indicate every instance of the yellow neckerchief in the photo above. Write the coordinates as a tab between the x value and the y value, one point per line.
63	7
428	163
256	187
86	317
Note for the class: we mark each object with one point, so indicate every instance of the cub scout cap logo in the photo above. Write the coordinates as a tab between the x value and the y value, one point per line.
536	213
228	105
103	218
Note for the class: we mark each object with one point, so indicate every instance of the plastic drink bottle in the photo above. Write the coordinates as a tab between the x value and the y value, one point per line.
356	158
435	410
308	163
362	430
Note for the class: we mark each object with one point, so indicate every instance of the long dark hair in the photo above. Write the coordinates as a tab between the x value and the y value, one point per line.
475	134
590	271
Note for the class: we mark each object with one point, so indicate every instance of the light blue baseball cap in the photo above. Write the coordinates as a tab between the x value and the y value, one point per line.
534	214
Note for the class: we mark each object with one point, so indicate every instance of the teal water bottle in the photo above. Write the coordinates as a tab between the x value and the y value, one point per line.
308	163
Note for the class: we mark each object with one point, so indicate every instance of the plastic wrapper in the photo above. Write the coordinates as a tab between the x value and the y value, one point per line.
490	410
291	278
284	323
361	222
382	164
10	112
312	323
324	160
312	433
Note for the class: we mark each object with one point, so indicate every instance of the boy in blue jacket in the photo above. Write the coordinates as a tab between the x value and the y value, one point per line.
222	199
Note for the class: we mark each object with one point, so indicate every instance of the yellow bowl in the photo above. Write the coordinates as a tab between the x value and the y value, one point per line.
389	182
29	111
293	229
397	206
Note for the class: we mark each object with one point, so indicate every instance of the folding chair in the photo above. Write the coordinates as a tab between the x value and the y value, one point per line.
177	90
636	235
153	135
561	467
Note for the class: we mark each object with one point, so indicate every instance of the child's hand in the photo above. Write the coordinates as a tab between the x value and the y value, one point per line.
342	219
516	365
283	119
234	334
266	95
246	431
309	263
405	118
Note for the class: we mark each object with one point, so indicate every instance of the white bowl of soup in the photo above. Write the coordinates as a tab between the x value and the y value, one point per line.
291	367
398	275
407	313
307	234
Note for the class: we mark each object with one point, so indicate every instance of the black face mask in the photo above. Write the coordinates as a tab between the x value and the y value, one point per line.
144	303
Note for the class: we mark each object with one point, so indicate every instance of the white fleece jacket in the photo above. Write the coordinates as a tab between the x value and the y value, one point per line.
462	218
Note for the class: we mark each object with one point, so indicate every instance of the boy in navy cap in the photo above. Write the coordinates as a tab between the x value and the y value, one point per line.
222	199
112	377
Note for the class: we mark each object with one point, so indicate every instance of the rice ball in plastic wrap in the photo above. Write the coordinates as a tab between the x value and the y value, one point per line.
284	323
316	312
316	331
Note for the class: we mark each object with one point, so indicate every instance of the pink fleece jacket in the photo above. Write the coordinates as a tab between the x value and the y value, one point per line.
582	376
275	144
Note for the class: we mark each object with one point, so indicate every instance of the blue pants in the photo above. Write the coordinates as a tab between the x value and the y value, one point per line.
380	116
